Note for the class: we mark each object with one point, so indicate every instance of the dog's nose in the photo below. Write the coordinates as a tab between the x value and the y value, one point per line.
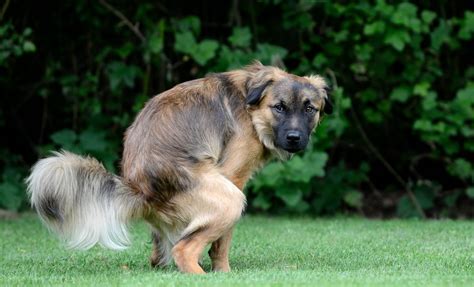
293	136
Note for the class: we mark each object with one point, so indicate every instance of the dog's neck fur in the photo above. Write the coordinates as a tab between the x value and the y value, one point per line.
240	79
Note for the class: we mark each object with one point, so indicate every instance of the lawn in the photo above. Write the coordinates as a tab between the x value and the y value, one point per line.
266	252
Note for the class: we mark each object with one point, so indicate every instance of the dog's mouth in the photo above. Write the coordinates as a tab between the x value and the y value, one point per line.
290	146
289	142
293	149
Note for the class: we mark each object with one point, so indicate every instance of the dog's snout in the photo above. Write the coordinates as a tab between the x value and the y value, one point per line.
293	136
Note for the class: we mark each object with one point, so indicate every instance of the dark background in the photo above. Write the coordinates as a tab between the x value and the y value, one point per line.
73	74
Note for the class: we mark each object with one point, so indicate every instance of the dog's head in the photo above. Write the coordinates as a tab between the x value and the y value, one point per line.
285	108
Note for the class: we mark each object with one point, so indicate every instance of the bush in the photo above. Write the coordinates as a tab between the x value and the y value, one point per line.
399	143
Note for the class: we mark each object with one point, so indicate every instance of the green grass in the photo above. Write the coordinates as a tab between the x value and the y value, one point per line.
265	252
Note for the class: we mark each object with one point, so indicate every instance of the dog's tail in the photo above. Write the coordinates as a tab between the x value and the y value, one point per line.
83	203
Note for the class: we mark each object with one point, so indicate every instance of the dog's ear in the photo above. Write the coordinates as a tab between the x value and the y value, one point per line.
328	106
254	67
260	78
320	84
254	94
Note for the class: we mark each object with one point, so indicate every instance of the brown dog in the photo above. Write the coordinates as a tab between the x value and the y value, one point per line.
186	160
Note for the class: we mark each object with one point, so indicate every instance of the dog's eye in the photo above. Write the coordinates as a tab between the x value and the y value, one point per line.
280	108
311	110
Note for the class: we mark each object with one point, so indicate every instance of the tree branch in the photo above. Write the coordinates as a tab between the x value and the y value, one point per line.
4	9
387	165
234	15
124	19
379	156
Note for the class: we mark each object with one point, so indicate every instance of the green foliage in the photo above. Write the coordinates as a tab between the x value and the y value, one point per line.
89	141
402	87
121	75
11	189
14	44
240	37
425	193
340	187
292	183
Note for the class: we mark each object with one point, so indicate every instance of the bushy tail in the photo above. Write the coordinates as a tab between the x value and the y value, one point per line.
83	203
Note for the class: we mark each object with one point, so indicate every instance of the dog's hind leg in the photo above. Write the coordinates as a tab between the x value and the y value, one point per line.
186	253
161	249
212	209
156	258
219	252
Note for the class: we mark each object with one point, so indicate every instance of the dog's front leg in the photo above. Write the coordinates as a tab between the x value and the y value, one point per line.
219	252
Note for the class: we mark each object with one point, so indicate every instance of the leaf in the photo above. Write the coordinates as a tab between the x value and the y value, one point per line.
428	16
406	209
298	171
405	15
93	141
421	89
320	60
121	74
404	12
359	68
232	59
155	43
291	196
373	115
29	47
440	35
424	125
466	96
461	168
261	201
397	39
125	50
301	207
429	101
463	106
205	51
189	24
201	53
450	200
303	169
268	176
11	195
377	27
340	36
400	94
384	8
353	198
241	37
270	54
364	52
425	194
185	42
467	26
65	138
316	162
470	191
467	131
27	32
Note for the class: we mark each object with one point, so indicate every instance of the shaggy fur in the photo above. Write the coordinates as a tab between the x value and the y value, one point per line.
78	199
186	159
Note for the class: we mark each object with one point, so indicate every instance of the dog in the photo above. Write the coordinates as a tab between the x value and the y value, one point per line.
186	159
